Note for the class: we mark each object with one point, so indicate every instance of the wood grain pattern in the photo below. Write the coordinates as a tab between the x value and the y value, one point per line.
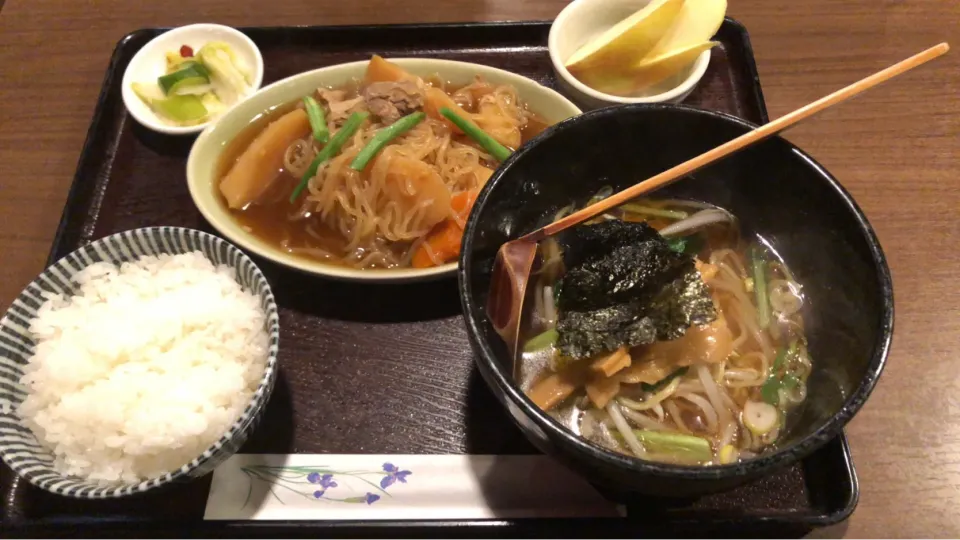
896	149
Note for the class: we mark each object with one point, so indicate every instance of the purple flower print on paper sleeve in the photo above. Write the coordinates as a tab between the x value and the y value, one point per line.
325	481
369	498
393	474
318	483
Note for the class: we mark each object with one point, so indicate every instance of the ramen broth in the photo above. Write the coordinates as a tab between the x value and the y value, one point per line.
719	393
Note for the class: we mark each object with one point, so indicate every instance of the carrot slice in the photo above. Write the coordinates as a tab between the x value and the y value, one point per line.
443	241
445	238
462	202
380	70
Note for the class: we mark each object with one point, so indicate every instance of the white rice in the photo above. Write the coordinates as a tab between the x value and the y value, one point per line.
144	368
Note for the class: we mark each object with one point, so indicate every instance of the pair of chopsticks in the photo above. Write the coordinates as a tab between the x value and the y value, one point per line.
515	259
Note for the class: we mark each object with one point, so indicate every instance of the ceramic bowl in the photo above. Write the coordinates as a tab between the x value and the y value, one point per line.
206	152
775	189
19	448
583	20
149	63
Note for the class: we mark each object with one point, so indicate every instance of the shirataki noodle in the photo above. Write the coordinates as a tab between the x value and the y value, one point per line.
407	204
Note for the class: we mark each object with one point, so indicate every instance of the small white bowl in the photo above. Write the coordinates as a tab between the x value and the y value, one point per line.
150	63
583	20
210	145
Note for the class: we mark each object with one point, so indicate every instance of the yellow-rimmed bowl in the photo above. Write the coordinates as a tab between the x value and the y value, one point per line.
210	145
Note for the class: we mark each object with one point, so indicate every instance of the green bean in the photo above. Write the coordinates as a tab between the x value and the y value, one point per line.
497	150
336	143
318	121
385	135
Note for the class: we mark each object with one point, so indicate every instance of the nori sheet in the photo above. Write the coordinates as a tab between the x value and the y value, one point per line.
625	286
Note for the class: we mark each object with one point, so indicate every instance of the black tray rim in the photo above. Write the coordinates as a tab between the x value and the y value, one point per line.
85	157
608	527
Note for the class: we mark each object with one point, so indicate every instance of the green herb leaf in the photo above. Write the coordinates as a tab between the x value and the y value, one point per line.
665	381
691	245
318	120
770	391
778	361
678	244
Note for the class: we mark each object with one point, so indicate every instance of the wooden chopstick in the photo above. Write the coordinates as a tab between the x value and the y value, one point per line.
762	132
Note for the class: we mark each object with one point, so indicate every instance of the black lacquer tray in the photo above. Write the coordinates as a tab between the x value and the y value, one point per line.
130	177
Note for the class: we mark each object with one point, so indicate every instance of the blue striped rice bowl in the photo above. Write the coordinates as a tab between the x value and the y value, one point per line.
19	448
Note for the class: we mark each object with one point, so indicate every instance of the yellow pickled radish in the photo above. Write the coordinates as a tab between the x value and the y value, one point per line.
728	454
628	40
643	74
698	21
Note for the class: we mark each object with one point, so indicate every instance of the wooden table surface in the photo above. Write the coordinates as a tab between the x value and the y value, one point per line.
896	149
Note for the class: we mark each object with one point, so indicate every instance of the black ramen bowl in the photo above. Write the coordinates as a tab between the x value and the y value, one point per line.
775	189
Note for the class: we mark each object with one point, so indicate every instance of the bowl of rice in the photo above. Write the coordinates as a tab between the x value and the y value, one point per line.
141	359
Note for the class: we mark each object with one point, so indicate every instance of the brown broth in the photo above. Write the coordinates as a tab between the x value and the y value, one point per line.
534	365
535	126
268	219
